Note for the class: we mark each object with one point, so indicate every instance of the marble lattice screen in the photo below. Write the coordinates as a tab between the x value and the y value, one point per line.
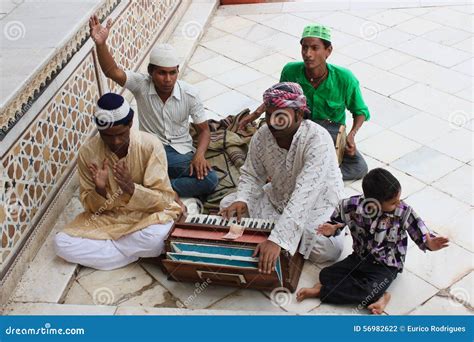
38	155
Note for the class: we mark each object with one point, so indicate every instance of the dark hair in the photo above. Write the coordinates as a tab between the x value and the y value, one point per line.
151	68
380	185
326	43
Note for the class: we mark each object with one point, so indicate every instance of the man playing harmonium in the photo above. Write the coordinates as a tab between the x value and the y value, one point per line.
306	184
126	193
329	90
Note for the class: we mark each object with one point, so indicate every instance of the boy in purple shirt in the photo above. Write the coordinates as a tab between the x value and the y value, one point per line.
379	224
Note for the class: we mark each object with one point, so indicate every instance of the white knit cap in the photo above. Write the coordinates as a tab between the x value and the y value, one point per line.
164	55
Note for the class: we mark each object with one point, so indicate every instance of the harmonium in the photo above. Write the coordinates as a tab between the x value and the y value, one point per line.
204	248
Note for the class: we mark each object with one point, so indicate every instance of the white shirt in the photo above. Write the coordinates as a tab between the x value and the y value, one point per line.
305	179
168	121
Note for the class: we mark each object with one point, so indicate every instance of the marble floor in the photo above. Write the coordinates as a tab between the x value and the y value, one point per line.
415	68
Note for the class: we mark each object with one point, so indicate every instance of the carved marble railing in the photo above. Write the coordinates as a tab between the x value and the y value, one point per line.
46	123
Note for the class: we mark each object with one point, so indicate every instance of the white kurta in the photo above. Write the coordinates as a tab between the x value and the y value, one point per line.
305	188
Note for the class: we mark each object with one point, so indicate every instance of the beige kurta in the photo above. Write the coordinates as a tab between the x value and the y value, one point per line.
120	214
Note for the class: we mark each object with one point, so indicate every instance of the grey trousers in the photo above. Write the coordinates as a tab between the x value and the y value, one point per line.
353	167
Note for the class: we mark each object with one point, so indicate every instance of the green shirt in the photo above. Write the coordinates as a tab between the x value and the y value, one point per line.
340	90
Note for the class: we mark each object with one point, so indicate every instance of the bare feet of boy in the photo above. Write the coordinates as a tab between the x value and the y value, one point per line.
378	307
308	292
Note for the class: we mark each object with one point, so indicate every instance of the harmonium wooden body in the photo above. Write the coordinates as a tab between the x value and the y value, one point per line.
197	251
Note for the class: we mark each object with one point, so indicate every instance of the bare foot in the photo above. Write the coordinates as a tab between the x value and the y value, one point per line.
308	292
378	307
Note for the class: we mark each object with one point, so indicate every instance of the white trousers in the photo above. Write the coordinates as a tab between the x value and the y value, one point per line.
323	248
112	254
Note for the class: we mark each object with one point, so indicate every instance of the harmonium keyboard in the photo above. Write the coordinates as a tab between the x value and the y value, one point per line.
198	249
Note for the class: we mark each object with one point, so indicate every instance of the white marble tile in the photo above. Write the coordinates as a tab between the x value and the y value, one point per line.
338	58
48	276
466	94
389	59
465	45
270	64
441	306
463	290
279	42
251	9
362	49
255	32
349	191
466	68
194	296
212	33
230	103
392	37
237	49
50	309
232	24
456	144
256	88
332	309
380	81
201	54
436	76
156	296
210	88
447	17
77	295
311	16
458	183
134	311
422	48
440	268
287	300
376	146
215	66
385	111
109	287
247	300
351	24
434	101
238	76
426	164
403	301
422	128
439	211
192	77
459	229
390	17
418	26
260	17
368	130
446	35
288	23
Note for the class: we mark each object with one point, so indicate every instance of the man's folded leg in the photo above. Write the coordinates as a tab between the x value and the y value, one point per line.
98	254
110	254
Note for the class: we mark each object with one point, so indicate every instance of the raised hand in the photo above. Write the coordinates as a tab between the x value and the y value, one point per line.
98	32
99	174
123	177
327	229
436	243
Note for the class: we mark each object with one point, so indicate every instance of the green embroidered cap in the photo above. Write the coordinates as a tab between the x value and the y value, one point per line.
317	31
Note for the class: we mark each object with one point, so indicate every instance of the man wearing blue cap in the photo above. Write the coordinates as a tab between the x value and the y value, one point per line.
125	191
165	105
330	90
